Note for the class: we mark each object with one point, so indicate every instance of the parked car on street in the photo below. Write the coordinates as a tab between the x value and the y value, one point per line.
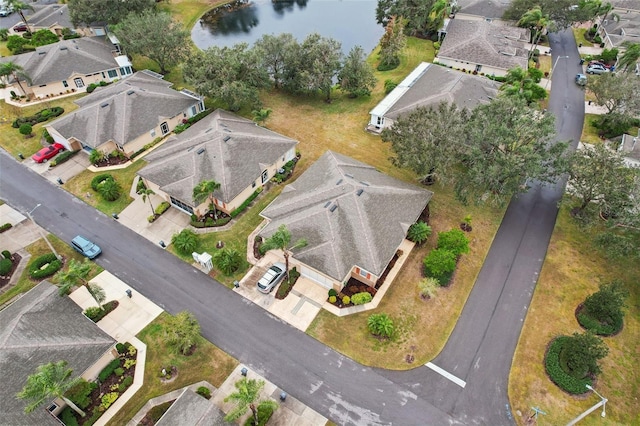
5	10
48	152
272	277
581	79
85	247
597	69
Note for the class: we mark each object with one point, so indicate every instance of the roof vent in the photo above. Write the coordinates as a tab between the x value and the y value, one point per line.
104	105
64	48
208	130
226	138
364	183
349	175
190	149
42	53
200	151
359	192
339	182
327	204
131	92
333	208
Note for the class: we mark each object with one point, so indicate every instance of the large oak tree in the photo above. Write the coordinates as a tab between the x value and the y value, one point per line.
110	11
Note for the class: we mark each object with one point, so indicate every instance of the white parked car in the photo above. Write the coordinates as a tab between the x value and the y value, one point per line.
272	277
597	69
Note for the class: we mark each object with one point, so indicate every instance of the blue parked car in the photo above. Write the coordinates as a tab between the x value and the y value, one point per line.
85	247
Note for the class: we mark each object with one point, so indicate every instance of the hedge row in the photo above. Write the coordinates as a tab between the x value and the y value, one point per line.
52	263
5	227
39	117
109	369
163	207
557	375
62	157
244	205
144	148
597	327
209	223
287	285
5	266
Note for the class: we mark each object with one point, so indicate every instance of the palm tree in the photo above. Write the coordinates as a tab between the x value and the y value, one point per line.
50	381
19	6
185	242
204	190
535	20
76	274
182	332
228	260
261	115
146	195
247	391
16	71
630	56
281	240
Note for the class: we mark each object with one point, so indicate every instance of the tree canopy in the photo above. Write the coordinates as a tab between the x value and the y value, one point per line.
49	381
182	332
422	16
561	13
156	36
356	76
110	11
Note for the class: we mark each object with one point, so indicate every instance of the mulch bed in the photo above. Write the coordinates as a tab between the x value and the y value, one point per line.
390	266
153	415
4	280
112	161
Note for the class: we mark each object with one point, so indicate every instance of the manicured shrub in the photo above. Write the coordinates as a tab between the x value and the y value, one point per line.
244	205
332	292
287	284
228	260
5	227
454	241
557	374
44	266
419	232
380	325
185	242
26	129
68	417
332	299
346	300
204	392
128	381
79	394
162	207
119	371
6	254
5	266
110	190
440	264
121	348
389	85
47	137
108	370
107	400
361	298
39	117
62	157
98	179
93	313
606	304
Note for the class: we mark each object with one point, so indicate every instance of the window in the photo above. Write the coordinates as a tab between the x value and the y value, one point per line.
265	176
64	83
193	110
164	128
103	76
125	70
113	73
53	407
478	68
78	81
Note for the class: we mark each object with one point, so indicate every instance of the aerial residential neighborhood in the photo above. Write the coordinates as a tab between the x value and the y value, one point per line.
318	213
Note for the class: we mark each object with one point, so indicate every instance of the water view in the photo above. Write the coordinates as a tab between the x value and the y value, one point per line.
352	22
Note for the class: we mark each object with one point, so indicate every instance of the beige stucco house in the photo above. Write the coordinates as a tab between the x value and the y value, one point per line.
126	115
69	66
42	327
353	217
230	150
428	85
487	47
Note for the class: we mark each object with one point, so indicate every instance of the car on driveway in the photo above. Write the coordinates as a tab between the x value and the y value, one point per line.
597	69
20	28
85	247
48	152
272	277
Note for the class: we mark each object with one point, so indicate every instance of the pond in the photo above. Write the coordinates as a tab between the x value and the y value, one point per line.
351	22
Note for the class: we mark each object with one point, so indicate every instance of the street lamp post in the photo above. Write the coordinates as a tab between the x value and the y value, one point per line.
603	402
553	68
40	231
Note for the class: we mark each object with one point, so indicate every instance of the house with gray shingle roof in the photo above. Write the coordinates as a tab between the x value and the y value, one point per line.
493	9
191	409
39	328
69	66
488	47
429	85
125	115
53	17
622	26
353	217
233	151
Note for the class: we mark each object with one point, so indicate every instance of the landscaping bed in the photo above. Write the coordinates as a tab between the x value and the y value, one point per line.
208	220
153	415
15	261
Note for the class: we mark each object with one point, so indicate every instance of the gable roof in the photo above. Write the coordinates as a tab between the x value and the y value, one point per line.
624	29
431	84
123	111
350	214
484	8
58	61
191	409
223	147
39	328
625	4
486	43
50	15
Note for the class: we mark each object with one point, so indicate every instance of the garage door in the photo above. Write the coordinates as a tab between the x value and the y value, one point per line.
316	277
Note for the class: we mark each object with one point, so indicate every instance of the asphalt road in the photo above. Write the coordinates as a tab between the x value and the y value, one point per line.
479	351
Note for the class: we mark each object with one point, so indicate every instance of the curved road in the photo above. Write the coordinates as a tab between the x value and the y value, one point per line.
479	351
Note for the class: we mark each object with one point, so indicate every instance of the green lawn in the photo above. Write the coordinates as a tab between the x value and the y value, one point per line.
579	33
80	186
207	363
590	133
39	248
